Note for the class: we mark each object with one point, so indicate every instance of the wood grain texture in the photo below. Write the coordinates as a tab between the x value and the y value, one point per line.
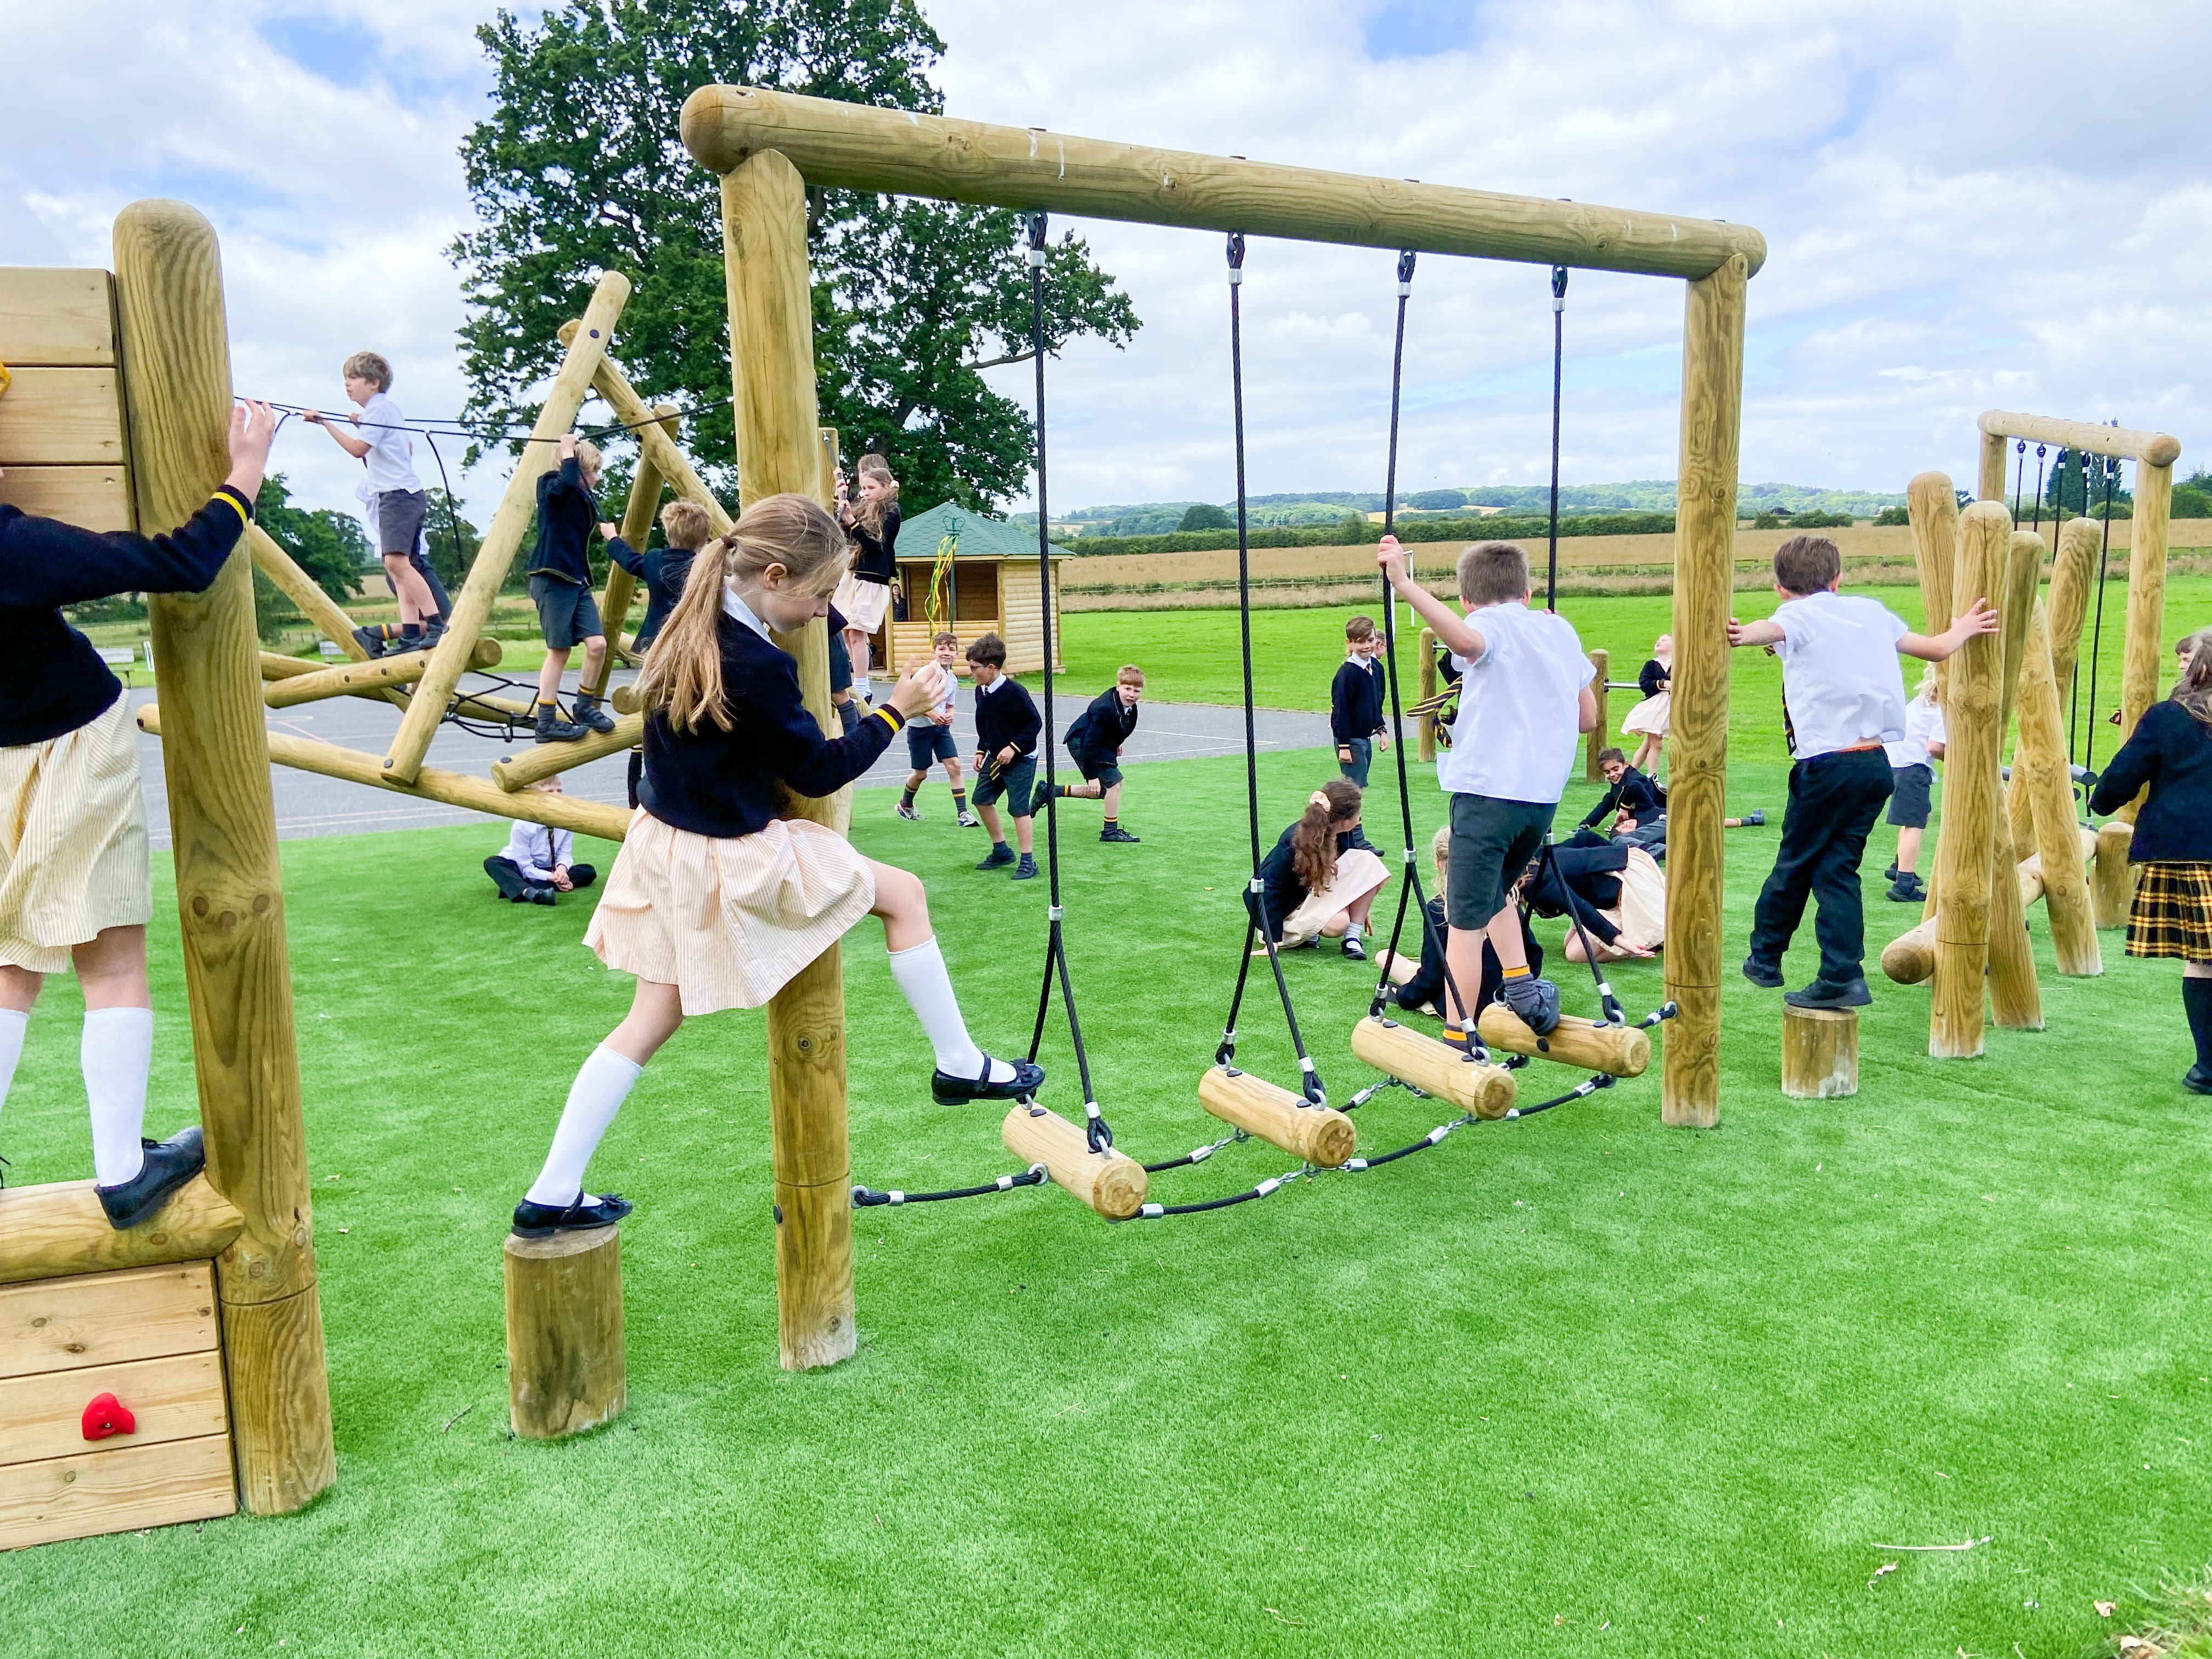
57	1230
1426	724
856	147
2015	1000
2155	447
1989	480
502	537
1705	571
54	315
1321	1136
89	497
565	1365
273	562
519	768
1433	1066
1910	958
1819	1053
639	513
273	1356
2112	878
1111	1183
2147	646
230	895
814	1276
62	417
2073	581
1963	852
1931	506
106	1318
394	668
1587	1044
1601	735
2041	780
121	1489
176	1397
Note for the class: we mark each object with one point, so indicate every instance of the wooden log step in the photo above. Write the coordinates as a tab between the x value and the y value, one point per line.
1111	1183
1593	1045
1910	959
57	1229
1819	1053
565	1368
1322	1135
1434	1066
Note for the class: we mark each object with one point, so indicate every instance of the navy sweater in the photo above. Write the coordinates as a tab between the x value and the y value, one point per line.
664	570
878	556
566	515
2172	752
1655	678
1427	984
1635	794
1100	731
1278	876
1355	702
725	784
1005	715
57	681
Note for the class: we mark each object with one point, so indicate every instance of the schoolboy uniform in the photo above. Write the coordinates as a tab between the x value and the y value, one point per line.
560	567
662	570
523	869
1355	714
1005	714
1912	773
928	742
394	496
1095	741
1843	695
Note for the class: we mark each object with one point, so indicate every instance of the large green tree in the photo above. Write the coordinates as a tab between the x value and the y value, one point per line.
579	168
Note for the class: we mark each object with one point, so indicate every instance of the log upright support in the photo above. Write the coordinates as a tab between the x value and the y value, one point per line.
2015	1000
772	362
1426	724
1598	736
638	514
1970	798
1819	1053
2039	779
1705	579
2147	648
230	894
564	1333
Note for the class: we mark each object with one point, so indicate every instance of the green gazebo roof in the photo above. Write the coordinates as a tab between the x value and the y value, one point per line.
977	536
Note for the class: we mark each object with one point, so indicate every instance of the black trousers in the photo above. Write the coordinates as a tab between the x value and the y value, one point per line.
1834	800
508	876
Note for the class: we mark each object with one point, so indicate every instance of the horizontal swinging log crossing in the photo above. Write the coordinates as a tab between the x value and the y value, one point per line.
1322	1135
2155	448
1111	1183
397	668
1588	1044
859	147
1434	1068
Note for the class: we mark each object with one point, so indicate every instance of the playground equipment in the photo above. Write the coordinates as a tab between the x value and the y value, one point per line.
1819	1053
203	1323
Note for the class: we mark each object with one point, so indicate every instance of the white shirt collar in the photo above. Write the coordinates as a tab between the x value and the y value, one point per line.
734	606
993	686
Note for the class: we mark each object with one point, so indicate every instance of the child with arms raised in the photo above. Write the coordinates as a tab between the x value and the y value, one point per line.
396	501
716	902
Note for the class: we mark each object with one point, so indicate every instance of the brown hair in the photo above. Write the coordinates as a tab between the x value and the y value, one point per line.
1359	629
944	636
683	675
1605	755
685	525
2195	691
871	513
1806	564
1128	674
991	650
1312	837
1491	572
368	366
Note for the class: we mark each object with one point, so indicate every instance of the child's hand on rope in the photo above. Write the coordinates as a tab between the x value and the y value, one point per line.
1391	556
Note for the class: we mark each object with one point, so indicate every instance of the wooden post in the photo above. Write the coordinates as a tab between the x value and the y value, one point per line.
772	363
2015	1001
230	893
1426	724
1932	509
304	591
503	537
638	514
1599	735
2146	647
564	1332
1819	1053
1963	866
1989	486
2112	878
1704	583
2039	779
2073	575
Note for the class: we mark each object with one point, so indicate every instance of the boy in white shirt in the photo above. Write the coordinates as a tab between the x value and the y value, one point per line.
1524	697
1912	772
395	499
1843	697
538	864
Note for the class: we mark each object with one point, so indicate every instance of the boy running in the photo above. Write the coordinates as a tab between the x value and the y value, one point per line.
1094	743
929	739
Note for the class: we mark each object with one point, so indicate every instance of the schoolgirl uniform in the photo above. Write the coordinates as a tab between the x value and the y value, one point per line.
864	592
1294	915
1649	718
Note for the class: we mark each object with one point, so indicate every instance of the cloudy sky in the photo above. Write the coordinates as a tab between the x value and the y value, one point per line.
1967	204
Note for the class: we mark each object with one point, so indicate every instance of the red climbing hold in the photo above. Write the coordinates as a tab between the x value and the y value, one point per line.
104	1414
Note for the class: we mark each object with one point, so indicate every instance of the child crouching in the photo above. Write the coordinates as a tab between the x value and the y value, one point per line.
716	902
538	863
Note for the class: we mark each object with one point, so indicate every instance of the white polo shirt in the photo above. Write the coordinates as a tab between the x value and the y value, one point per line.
1923	725
391	457
1841	681
1520	706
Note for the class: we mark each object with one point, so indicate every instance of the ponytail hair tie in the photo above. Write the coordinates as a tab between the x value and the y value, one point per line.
1319	798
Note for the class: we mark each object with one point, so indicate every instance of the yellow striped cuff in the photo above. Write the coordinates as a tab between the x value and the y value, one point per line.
889	715
229	499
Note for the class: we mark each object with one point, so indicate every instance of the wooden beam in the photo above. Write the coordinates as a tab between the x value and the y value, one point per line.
1600	735
1963	869
2073	578
2147	649
275	666
656	445
62	417
230	891
58	1229
544	760
638	514
51	315
1426	724
393	668
2155	448
1704	583
89	497
504	536
2015	1000
2039	779
304	591
859	147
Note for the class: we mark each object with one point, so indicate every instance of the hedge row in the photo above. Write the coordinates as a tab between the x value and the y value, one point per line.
1410	529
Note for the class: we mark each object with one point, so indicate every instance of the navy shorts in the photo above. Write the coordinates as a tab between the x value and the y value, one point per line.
1909	804
1492	842
928	742
1016	784
567	614
1100	770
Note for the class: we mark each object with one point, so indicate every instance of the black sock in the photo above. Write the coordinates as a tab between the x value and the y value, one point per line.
912	790
960	800
1113	823
2197	997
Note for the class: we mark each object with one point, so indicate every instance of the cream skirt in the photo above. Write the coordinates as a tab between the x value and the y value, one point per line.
1357	871
861	603
73	845
728	923
1642	914
1649	715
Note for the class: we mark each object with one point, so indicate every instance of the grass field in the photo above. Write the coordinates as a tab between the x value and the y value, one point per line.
1575	1384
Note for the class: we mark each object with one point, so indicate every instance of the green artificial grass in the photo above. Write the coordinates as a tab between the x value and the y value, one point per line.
1578	1383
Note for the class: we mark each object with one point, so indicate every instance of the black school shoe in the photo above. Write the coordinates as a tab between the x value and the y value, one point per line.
998	858
1026	870
1535	1002
2197	1080
370	640
1120	835
1764	975
949	1091
169	1165
541	895
1352	948
1826	994
1906	889
543	1220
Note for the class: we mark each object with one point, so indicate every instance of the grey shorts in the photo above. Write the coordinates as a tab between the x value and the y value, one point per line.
399	521
1492	842
1909	802
567	614
1015	786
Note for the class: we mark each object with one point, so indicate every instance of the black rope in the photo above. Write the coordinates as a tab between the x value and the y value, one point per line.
2039	449
458	426
2097	633
869	1197
1309	1082
2018	476
1559	355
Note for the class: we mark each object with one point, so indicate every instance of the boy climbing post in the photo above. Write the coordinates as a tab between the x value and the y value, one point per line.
561	587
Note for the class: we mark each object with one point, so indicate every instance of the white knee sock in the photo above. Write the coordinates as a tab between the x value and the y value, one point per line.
116	1053
920	971
14	1022
594	1097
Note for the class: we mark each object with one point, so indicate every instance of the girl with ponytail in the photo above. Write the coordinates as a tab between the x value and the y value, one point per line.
1323	876
717	900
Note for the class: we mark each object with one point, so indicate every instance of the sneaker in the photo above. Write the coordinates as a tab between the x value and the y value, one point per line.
1906	889
1535	1001
543	1220
1352	948
2197	1080
968	821
1026	870
1764	975
1827	993
949	1091
907	812
1890	874
169	1165
1116	833
998	858
370	640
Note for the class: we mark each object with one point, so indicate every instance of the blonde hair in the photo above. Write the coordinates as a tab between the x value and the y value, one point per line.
368	366
1440	851
588	456
682	674
870	512
684	524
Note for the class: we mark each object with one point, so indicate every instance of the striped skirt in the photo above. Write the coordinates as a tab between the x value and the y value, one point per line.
2172	916
73	841
729	923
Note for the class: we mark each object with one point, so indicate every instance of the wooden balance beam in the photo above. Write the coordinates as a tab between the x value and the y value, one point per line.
513	772
57	1229
1111	1183
1322	1135
1434	1068
1591	1045
399	668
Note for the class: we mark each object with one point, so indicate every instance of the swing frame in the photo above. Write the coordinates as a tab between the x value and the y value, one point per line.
769	147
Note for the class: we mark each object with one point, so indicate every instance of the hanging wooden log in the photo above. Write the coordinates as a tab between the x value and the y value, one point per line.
1434	1068
1590	1045
1322	1135
1111	1183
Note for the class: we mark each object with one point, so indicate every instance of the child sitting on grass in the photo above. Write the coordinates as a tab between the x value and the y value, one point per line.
1418	981
1843	697
929	739
1355	702
1321	879
538	864
717	902
1008	725
561	588
1629	796
1094	743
